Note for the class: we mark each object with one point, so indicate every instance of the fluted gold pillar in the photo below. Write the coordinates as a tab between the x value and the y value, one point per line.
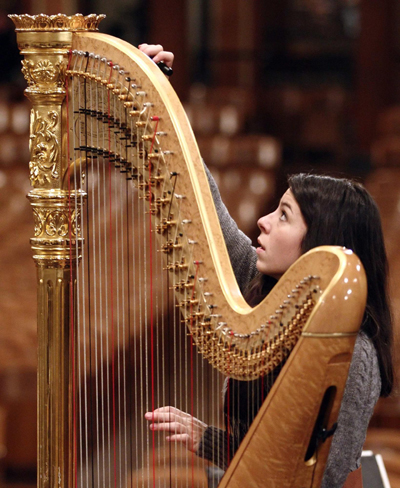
45	42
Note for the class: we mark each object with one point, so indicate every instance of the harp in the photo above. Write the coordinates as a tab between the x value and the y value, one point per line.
122	209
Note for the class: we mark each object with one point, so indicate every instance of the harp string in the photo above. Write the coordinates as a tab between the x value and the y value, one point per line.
71	304
92	203
192	365
103	242
83	158
137	327
127	322
145	405
124	258
111	283
102	305
151	295
72	182
132	349
122	350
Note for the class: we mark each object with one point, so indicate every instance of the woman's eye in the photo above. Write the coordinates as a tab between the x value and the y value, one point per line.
283	215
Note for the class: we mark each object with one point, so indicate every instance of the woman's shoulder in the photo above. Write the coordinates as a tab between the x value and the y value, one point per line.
365	352
364	379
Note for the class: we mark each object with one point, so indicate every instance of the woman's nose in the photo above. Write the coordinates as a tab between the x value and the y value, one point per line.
264	224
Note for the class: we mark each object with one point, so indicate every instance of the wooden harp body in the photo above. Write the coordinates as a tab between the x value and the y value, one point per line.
119	195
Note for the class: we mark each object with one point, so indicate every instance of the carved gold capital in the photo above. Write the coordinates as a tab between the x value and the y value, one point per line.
57	220
55	223
45	74
56	23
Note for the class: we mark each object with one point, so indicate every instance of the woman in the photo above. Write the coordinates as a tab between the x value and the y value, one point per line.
314	211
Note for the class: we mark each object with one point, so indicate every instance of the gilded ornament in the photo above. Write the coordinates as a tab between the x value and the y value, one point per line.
38	219
44	73
26	71
56	23
75	222
44	148
57	224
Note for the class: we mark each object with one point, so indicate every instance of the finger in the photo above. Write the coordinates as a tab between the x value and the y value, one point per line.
163	417
170	410
166	56
174	427
179	438
143	47
159	417
151	49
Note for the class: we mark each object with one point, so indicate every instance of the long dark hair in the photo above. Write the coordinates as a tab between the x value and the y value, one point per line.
341	212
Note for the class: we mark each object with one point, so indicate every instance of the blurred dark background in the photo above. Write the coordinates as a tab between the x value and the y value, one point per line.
271	87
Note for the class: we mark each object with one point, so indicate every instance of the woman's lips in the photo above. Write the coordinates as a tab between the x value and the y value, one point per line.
261	248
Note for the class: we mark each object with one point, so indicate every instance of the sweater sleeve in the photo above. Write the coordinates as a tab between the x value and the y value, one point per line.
360	396
241	252
213	447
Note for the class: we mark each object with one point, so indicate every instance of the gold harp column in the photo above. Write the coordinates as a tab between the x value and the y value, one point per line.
45	42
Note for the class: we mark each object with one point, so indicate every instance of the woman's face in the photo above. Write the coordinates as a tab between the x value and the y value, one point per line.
281	236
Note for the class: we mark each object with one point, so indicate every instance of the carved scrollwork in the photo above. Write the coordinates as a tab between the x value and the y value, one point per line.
76	222
55	223
44	148
56	23
38	219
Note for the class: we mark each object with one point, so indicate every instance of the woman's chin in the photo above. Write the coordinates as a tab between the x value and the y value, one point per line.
261	267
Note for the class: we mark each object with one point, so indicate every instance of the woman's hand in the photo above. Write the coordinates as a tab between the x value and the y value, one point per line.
183	427
156	53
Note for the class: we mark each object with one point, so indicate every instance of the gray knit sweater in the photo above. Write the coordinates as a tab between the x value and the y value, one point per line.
363	384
